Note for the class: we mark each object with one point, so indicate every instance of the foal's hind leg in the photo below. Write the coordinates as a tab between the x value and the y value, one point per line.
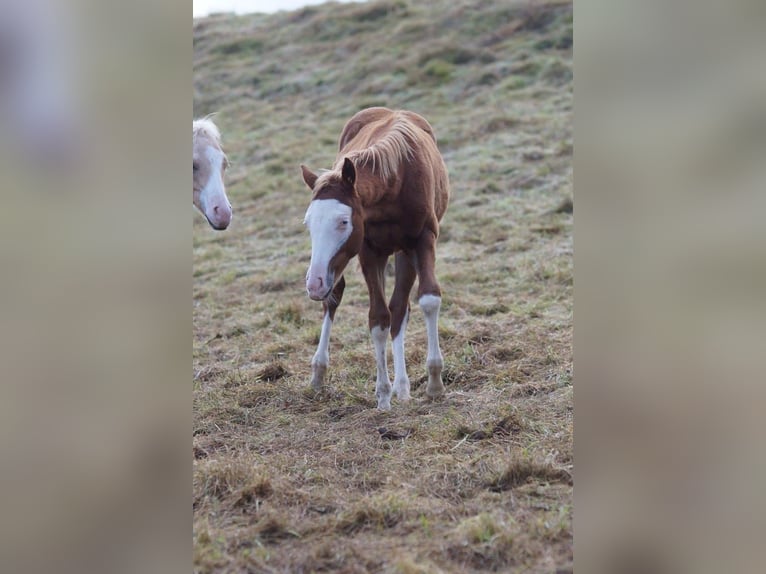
322	356
400	313
429	299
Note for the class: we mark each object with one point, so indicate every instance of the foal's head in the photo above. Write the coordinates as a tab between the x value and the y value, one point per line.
334	220
209	164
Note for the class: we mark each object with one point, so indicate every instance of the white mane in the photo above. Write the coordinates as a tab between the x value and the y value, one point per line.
206	126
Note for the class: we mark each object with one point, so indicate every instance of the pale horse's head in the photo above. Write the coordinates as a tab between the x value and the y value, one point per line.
209	166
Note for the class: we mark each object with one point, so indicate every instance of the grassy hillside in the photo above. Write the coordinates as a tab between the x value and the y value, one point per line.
285	481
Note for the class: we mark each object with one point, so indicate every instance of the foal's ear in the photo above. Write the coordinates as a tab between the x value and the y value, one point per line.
349	172
309	176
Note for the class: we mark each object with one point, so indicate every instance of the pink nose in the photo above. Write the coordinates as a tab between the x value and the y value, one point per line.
315	286
221	216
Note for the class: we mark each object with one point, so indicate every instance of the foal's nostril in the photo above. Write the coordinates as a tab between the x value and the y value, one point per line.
215	210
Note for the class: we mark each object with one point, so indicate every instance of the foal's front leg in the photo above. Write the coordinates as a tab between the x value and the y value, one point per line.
400	312
373	268
322	356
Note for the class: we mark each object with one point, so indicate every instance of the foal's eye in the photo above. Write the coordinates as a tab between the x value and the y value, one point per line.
344	222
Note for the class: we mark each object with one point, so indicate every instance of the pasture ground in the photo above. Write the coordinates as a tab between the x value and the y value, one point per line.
286	481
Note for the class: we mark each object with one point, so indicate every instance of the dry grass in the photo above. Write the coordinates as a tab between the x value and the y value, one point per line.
289	481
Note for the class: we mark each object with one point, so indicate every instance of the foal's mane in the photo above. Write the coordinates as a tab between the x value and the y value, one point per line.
205	126
386	155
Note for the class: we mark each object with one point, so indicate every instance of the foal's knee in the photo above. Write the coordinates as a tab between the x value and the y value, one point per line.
430	303
427	283
380	318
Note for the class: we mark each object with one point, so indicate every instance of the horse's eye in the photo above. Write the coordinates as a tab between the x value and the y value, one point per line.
344	222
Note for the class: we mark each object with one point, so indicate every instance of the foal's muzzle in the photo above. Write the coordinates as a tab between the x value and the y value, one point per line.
319	288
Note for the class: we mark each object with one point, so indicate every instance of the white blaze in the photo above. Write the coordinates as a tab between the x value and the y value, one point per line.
329	223
214	194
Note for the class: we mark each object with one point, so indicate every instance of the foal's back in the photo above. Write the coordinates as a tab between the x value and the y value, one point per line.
379	119
406	179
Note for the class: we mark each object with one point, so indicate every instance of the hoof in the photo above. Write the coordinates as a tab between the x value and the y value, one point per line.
383	392
402	390
317	377
435	391
435	387
384	404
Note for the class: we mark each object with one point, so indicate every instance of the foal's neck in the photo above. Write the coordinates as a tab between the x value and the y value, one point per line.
372	191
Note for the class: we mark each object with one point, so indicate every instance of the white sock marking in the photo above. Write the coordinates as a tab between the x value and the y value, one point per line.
382	384
430	305
401	380
322	356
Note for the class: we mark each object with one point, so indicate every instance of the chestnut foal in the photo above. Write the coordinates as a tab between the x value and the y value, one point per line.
386	194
